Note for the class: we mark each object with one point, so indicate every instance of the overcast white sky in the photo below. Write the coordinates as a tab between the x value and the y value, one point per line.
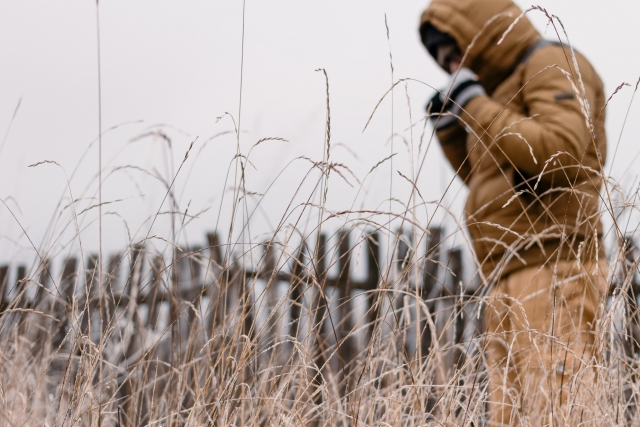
178	64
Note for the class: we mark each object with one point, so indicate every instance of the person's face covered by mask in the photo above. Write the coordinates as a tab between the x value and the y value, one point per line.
448	57
442	47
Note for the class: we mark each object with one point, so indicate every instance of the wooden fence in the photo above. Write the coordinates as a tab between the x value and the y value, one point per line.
203	272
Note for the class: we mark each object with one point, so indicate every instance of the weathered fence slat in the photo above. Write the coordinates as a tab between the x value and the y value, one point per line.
429	281
45	282
61	305
347	345
151	297
4	278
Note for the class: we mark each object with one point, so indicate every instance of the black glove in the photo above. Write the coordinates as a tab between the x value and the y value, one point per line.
445	106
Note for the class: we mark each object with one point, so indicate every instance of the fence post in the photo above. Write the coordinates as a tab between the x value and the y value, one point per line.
131	293
153	297
269	274
90	283
21	300
67	289
174	301
132	287
296	292
373	279
430	285
91	275
45	282
112	276
346	343
196	284
217	303
319	300
455	263
431	288
403	252
69	276
401	302
106	292
20	288
319	304
215	253
185	289
4	277
42	302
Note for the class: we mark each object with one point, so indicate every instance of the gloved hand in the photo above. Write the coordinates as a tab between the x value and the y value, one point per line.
445	106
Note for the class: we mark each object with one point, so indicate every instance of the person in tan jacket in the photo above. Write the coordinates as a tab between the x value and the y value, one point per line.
522	124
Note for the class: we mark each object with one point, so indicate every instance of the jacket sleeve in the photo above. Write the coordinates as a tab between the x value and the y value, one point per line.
555	130
453	140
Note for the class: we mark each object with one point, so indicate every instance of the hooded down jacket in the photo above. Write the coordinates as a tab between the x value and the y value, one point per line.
532	149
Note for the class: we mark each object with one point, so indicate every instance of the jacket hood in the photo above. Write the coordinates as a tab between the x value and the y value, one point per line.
488	20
